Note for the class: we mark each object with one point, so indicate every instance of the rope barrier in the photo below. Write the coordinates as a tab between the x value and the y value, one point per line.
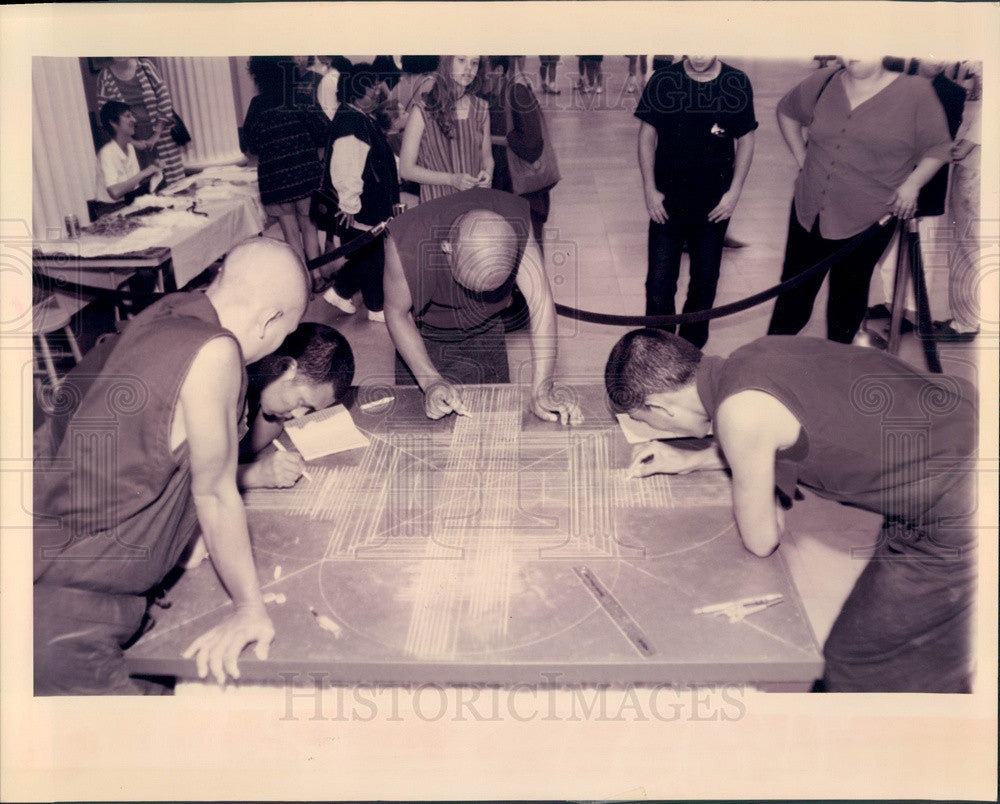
48	282
726	309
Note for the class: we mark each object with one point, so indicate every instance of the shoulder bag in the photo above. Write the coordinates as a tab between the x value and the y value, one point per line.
530	177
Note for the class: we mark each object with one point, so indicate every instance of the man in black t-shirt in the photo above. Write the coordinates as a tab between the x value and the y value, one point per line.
696	143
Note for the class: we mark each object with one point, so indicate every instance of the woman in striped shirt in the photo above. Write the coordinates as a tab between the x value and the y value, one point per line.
446	144
137	83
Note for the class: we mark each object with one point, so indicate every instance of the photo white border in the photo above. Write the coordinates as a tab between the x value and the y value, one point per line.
236	746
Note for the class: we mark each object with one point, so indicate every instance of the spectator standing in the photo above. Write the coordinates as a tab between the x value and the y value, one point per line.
138	83
446	143
547	66
696	142
285	138
867	129
363	171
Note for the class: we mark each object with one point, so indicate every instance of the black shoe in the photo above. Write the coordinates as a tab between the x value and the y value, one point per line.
878	311
946	333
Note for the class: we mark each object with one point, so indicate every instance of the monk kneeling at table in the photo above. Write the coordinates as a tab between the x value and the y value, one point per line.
450	267
788	410
149	456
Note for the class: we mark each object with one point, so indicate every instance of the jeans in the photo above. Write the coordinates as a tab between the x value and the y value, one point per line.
666	243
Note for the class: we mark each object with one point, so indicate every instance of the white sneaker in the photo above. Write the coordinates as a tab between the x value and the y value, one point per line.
376	316
344	305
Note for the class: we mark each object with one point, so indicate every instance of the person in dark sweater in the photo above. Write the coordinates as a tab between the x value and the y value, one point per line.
363	171
854	425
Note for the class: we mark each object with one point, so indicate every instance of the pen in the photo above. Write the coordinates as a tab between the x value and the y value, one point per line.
281	448
377	403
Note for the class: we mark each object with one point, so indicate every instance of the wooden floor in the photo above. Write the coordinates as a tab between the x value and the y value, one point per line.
596	259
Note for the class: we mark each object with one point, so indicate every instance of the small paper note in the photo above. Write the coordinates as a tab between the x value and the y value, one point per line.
325	432
637	432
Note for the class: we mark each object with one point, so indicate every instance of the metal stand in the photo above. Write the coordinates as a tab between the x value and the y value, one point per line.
908	255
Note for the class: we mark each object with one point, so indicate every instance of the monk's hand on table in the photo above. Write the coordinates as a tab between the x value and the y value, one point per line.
443	398
556	404
657	458
218	649
280	470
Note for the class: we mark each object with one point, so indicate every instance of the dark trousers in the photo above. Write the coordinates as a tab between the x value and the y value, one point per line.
78	641
363	271
849	280
907	624
666	243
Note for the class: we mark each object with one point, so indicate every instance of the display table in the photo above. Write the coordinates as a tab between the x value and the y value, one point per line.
497	548
203	218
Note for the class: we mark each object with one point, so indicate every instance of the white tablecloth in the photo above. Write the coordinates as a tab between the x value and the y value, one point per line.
229	197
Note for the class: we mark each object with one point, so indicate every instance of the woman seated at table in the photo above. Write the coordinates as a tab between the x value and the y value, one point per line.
311	370
119	178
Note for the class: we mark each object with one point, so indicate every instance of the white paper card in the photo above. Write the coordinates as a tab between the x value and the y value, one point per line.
637	432
325	432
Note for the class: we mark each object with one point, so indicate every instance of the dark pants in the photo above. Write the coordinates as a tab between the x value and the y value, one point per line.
849	280
907	624
666	243
78	640
363	271
476	360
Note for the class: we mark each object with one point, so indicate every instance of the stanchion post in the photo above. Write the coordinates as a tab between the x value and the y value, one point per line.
920	293
899	289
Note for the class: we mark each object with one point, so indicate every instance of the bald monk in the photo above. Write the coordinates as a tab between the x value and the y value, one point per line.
451	266
149	456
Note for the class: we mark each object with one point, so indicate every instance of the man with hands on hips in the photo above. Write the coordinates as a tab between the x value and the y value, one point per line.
451	266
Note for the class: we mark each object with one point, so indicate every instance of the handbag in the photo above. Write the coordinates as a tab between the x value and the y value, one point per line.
325	202
178	131
530	177
323	208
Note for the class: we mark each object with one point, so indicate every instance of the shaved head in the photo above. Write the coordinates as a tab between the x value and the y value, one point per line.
263	270
484	250
260	294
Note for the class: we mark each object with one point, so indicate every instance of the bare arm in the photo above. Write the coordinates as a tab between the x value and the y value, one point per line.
792	132
207	402
122	188
662	458
440	396
647	160
399	319
744	156
485	177
904	203
749	436
533	283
